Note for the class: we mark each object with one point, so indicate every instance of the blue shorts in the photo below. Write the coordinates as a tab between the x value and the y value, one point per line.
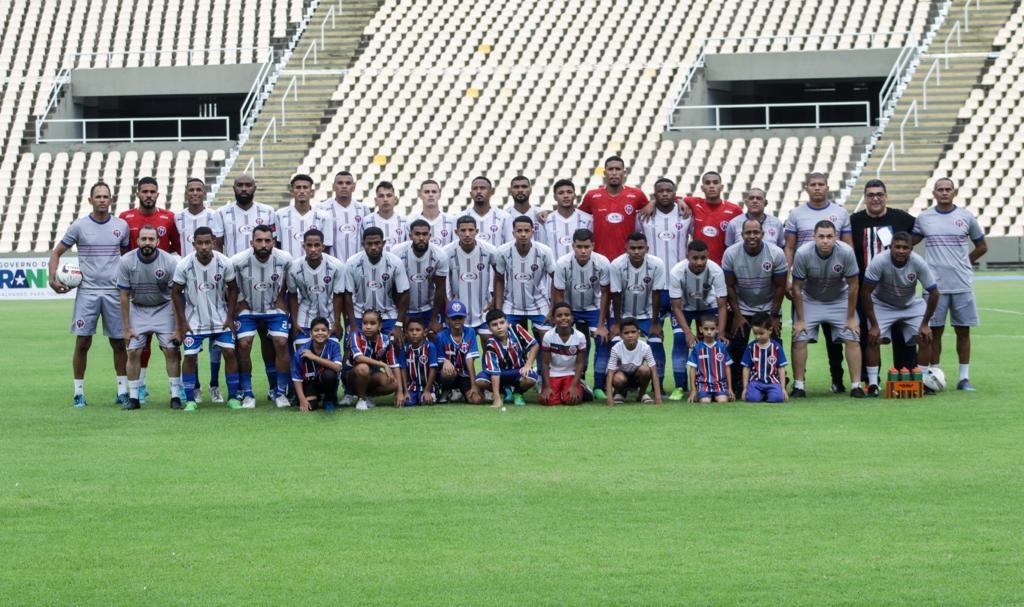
586	317
758	392
424	317
414	396
537	320
303	336
482	329
712	391
385	325
277	324
509	378
193	343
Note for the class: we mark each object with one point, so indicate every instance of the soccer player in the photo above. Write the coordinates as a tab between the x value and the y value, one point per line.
712	214
825	285
347	217
564	354
889	298
316	367
239	218
426	265
755	278
101	239
948	232
522	278
614	207
375	366
800	227
144	277
490	222
764	364
315	285
197	215
294	221
261	273
470	275
755	202
709	363
696	289
457	349
442	225
560	225
205	296
376	280
521	188
508	360
631	365
419	365
395	227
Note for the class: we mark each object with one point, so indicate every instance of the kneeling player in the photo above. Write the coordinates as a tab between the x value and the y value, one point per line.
631	365
508	360
564	358
710	375
419	364
374	364
315	368
457	349
764	364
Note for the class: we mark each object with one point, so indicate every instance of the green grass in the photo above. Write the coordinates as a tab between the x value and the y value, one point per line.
819	502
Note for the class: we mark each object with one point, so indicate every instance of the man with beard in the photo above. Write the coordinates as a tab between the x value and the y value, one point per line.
491	223
144	277
614	207
442	225
376	280
520	189
394	226
347	217
261	273
296	220
561	225
771	226
470	275
426	265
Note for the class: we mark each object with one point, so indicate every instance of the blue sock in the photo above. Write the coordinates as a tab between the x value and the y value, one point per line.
658	350
188	380
284	381
214	367
245	384
602	352
679	355
272	379
232	385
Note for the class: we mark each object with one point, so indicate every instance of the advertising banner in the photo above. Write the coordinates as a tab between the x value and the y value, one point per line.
25	278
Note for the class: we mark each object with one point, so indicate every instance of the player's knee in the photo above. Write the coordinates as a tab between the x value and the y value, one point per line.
619	380
280	343
361	370
329	376
705	400
722	398
527	382
644	372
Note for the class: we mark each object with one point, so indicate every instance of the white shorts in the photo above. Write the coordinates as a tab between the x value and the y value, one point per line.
90	304
908	318
832	313
962	310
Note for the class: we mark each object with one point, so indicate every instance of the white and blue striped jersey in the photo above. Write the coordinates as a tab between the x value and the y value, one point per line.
238	224
470	276
374	286
395	228
292	225
187	224
527	278
259	283
422	270
206	305
558	230
348	226
637	284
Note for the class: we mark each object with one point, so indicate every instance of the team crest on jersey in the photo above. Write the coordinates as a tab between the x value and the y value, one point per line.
719	356
724	225
647	279
117	233
444	232
534	267
593	279
494	228
710	231
629	209
464	348
327	280
679	225
911	277
572	350
767	266
833	218
217	277
837	268
359	218
189	341
423	359
430	270
480	267
160	273
957	222
385	276
275	277
771	360
259	220
161	231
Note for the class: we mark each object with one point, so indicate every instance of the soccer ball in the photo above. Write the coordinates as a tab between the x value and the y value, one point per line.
69	275
936	380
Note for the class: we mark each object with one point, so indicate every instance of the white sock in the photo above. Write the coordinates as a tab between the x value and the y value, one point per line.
142	376
926	371
798	384
175	386
873	376
79	386
133	388
854	385
964	371
122	384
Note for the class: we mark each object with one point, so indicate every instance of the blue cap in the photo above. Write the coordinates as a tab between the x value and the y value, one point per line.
456	309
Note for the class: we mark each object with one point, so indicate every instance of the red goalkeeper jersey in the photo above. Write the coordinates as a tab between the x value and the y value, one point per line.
614	217
711	222
162	220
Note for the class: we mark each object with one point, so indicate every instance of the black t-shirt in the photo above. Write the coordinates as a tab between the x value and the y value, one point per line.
872	235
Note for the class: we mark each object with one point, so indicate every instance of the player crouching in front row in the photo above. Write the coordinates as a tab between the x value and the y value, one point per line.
456	348
764	364
631	365
316	366
710	375
374	364
419	364
508	360
564	358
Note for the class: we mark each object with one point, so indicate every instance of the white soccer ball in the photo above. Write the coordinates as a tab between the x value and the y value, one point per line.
69	275
936	380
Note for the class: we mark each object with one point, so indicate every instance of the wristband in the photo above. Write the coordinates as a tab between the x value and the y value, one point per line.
399	324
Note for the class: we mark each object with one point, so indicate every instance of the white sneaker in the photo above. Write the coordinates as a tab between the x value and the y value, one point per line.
362	405
370	403
457	396
282	401
348	400
215	395
249	402
488	395
198	396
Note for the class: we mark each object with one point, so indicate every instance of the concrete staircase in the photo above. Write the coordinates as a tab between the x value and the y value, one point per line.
937	126
304	118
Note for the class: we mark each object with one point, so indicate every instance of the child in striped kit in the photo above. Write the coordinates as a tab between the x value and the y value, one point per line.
419	364
764	364
710	376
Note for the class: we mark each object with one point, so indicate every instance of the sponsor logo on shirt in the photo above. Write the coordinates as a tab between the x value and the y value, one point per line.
565	240
614	218
262	286
581	287
710	231
205	286
522	276
637	289
244	229
667	236
348	228
417	277
469	276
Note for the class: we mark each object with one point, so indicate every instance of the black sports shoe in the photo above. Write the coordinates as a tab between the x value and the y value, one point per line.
798	393
873	391
838	387
858	392
176	404
133	403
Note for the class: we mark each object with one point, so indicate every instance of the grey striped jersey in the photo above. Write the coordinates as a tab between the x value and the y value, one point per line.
348	226
187	223
442	228
825	277
291	225
637	283
490	226
99	249
699	292
421	272
558	230
527	278
315	288
897	286
667	234
538	227
771	227
802	219
148	282
374	286
946	247
259	283
581	285
755	274
238	224
470	276
206	305
396	228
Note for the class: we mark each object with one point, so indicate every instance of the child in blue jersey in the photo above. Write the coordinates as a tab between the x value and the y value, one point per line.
764	364
375	369
419	364
457	352
316	366
508	360
710	376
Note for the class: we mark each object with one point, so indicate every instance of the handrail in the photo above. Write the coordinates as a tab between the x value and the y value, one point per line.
323	24
84	122
924	84
896	76
312	47
270	125
250	167
945	45
191	52
912	108
889	150
768	124
249	105
967	18
295	92
63	76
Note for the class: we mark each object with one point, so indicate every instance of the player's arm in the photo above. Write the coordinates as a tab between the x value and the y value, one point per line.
51	272
656	328
300	394
129	331
178	301
656	383
728	380
440	297
798	306
847	238
557	296
925	330
350	313
723	317
232	297
531	358
738	321
746	382
293	310
545	372
789	249
400	385
677	311
578	376
869	311
281	302
980	248
853	283
327	363
499	290
602	314
779	284
175	238
617	308
220	244
691	370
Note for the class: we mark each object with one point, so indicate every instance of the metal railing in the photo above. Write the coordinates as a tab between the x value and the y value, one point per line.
924	84
899	76
250	107
312	47
945	44
903	123
767	122
293	87
131	122
189	53
271	126
250	168
890	154
323	24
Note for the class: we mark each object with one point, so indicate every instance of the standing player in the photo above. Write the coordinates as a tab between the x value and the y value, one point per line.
376	280
522	278
560	225
296	220
825	284
490	222
101	238
712	214
442	225
347	217
197	215
426	265
890	298
521	188
315	284
800	228
205	296
772	228
613	207
395	227
948	231
261	273
470	275
144	277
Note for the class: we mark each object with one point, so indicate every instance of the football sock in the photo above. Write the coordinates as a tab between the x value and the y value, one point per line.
872	376
965	371
79	386
214	367
232	385
122	384
854	385
175	383
272	376
190	379
142	375
133	388
284	380
245	384
798	384
926	371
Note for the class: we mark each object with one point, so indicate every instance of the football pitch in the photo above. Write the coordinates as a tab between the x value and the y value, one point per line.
824	501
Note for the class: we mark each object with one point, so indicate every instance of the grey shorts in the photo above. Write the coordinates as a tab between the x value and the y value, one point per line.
831	313
908	318
90	304
158	320
961	308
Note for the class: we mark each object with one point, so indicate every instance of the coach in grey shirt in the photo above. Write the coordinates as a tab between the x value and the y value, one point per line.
771	226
